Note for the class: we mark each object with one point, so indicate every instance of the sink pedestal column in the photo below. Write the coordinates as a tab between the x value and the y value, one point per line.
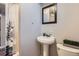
45	50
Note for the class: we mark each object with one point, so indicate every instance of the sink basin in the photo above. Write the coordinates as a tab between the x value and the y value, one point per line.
46	40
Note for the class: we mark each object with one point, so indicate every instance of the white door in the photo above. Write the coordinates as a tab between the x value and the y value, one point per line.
13	16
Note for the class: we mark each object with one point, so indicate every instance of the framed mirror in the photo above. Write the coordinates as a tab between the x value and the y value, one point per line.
49	14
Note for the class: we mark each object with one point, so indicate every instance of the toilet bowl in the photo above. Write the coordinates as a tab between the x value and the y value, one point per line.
66	51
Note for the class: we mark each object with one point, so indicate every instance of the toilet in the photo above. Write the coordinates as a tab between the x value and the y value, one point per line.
66	51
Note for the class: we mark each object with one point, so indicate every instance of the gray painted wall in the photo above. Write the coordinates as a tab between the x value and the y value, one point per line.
30	23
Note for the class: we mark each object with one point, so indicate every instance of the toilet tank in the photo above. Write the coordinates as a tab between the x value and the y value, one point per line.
66	51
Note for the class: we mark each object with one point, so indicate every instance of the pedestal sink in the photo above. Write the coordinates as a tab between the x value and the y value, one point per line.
46	41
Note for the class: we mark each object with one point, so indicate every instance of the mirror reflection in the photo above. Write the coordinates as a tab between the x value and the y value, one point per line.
49	14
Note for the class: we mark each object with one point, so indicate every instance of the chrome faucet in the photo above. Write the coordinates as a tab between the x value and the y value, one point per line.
48	35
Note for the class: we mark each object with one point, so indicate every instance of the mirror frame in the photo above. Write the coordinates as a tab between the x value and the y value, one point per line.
55	18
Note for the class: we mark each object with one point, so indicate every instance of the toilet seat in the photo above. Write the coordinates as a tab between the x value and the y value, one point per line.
73	50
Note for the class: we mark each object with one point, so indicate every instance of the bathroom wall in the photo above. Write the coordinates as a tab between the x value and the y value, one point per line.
67	23
30	22
30	25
